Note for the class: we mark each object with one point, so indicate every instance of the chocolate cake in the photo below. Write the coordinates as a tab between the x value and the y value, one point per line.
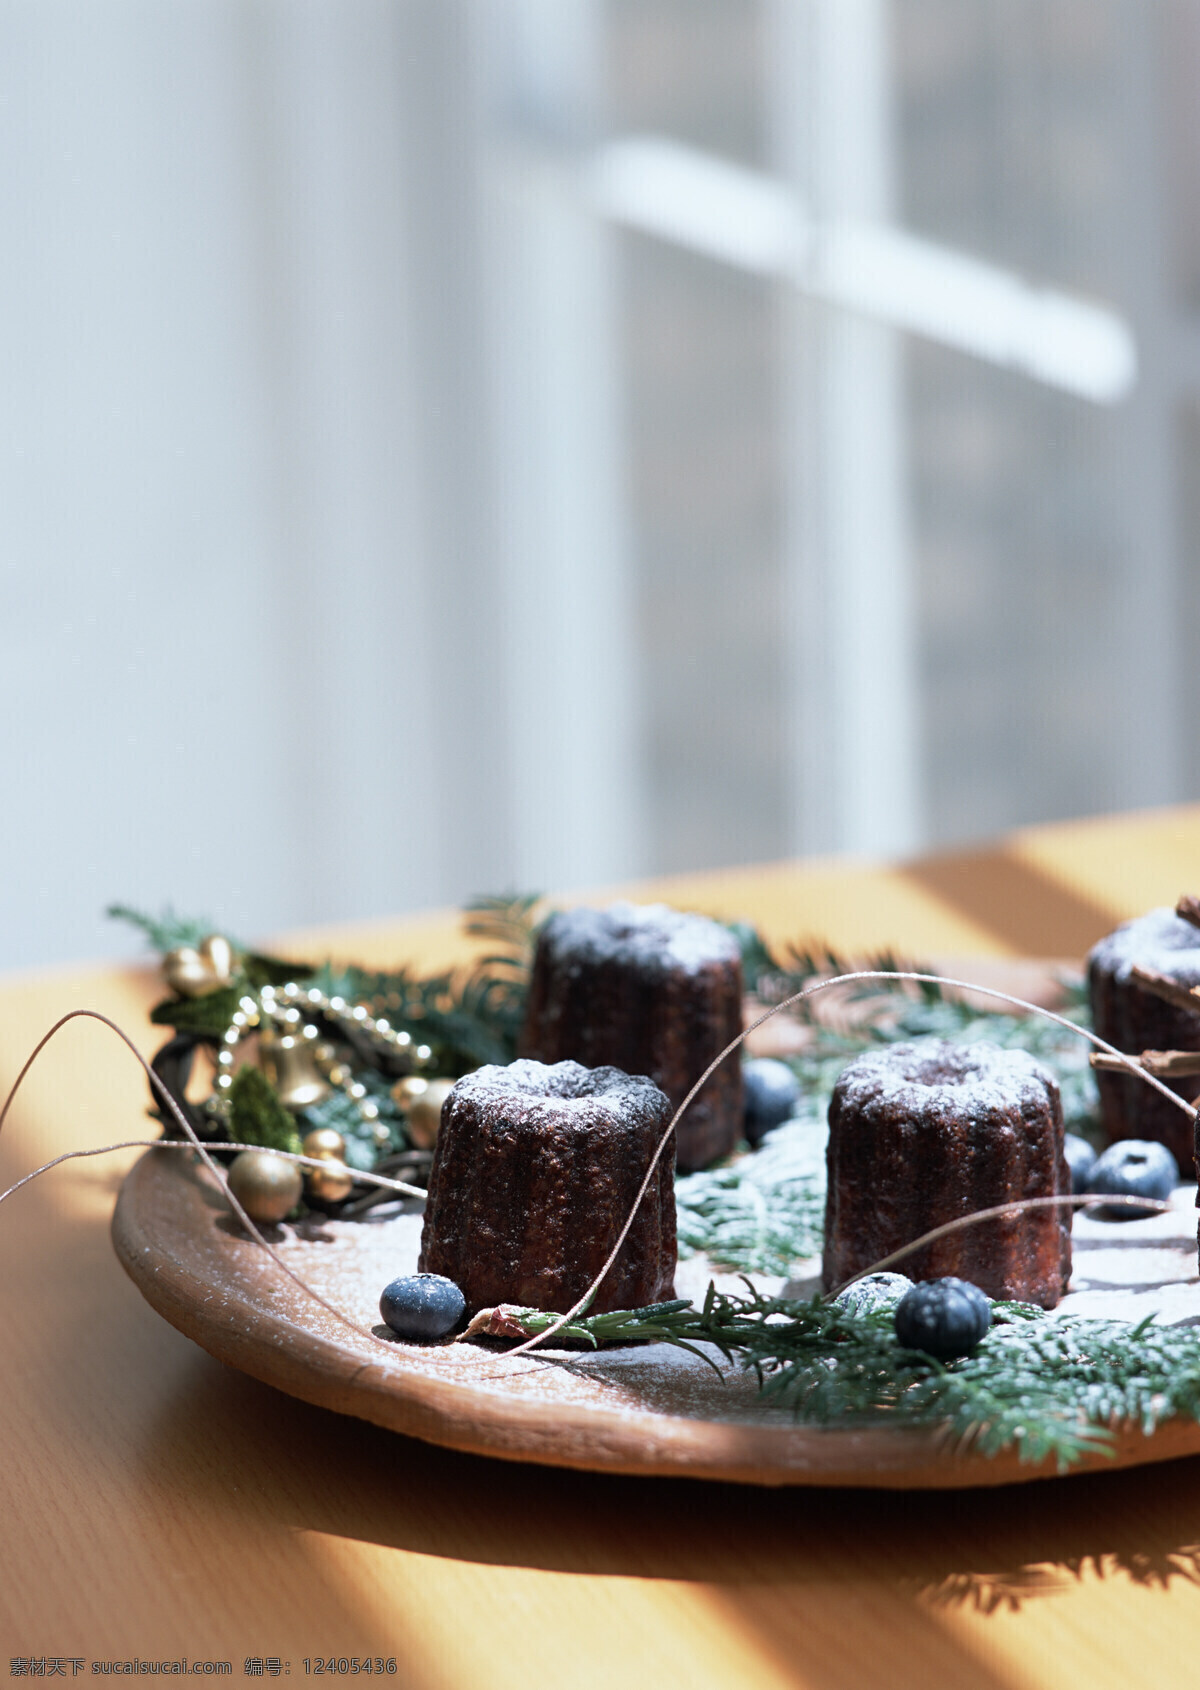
922	1133
535	1171
652	991
1134	1019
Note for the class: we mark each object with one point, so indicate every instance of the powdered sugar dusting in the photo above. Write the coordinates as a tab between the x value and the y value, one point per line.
582	1090
931	1076
1160	940
642	935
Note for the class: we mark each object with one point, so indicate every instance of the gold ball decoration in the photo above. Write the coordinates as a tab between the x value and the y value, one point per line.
425	1113
329	1183
406	1091
324	1141
267	1186
195	970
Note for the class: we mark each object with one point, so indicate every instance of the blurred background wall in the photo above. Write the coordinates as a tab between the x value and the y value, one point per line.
454	445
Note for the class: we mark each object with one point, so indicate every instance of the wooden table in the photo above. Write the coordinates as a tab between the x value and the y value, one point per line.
158	1505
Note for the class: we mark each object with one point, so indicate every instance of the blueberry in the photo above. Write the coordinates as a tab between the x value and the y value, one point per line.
1081	1159
770	1092
877	1291
422	1305
1135	1167
943	1317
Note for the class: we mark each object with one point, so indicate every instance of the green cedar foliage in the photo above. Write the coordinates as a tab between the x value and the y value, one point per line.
257	1116
1049	1388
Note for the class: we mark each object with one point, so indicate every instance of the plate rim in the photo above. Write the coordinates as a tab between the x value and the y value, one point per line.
154	1223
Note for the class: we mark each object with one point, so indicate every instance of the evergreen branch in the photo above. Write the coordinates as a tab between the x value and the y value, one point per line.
257	1116
506	919
166	931
207	1016
1051	1389
261	970
763	1212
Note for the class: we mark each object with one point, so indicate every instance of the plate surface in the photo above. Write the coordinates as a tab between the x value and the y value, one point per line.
647	1410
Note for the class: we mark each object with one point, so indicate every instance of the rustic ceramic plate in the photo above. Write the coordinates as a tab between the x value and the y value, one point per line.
650	1409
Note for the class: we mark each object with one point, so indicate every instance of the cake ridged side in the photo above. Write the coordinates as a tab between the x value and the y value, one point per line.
530	1188
908	1153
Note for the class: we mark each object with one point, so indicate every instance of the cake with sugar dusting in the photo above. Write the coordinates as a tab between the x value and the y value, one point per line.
1133	1019
535	1171
650	990
922	1133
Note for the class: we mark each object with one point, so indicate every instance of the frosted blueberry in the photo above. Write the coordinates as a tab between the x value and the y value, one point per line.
1081	1159
422	1305
1134	1167
770	1092
943	1317
877	1291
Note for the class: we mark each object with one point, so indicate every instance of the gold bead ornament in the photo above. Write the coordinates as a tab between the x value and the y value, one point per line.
422	1102
329	1183
405	1091
324	1141
267	1186
332	1182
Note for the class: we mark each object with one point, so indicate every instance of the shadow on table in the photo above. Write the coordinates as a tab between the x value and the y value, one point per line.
986	1549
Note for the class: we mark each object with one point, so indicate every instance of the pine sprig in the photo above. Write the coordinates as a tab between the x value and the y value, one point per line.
1050	1389
763	1212
468	1017
166	931
658	1323
508	920
207	1016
